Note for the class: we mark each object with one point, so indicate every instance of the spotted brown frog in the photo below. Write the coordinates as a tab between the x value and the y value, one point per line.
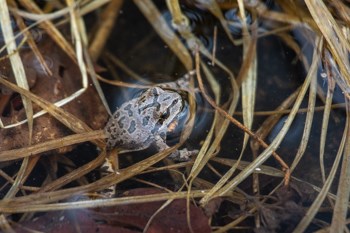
145	120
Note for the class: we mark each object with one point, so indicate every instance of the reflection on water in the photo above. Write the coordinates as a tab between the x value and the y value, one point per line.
201	24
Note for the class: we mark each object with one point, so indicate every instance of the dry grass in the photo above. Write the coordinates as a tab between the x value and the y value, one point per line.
327	19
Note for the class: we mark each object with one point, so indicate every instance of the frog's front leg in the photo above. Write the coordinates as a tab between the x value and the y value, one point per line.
178	155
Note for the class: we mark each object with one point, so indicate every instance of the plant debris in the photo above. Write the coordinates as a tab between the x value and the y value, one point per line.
64	81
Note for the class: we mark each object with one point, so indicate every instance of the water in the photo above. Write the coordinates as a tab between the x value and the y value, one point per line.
279	74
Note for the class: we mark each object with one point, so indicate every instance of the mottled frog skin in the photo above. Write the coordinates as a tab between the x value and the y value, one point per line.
143	121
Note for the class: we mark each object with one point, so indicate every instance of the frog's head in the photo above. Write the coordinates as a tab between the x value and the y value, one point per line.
164	104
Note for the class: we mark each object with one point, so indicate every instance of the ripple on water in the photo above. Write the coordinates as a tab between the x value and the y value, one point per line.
200	22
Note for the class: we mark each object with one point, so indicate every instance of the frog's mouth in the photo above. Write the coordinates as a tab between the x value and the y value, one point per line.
172	126
165	116
177	124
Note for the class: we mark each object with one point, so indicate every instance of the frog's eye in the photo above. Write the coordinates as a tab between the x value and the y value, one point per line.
176	101
165	115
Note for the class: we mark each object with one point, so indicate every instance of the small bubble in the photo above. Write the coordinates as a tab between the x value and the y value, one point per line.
36	34
39	67
323	75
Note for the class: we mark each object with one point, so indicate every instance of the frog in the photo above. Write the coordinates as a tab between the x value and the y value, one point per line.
145	121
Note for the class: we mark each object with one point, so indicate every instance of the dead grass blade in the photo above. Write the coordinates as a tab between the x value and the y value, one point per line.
221	127
75	174
20	179
100	203
263	169
104	182
30	40
249	82
59	39
220	191
50	145
79	34
152	14
80	40
325	120
308	123
314	208
49	27
64	117
16	62
343	192
336	41
310	112
271	121
108	20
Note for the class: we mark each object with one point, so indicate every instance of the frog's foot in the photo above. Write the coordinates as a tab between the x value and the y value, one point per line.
107	168
183	154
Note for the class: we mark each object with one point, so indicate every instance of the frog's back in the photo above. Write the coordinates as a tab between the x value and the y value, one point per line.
125	129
